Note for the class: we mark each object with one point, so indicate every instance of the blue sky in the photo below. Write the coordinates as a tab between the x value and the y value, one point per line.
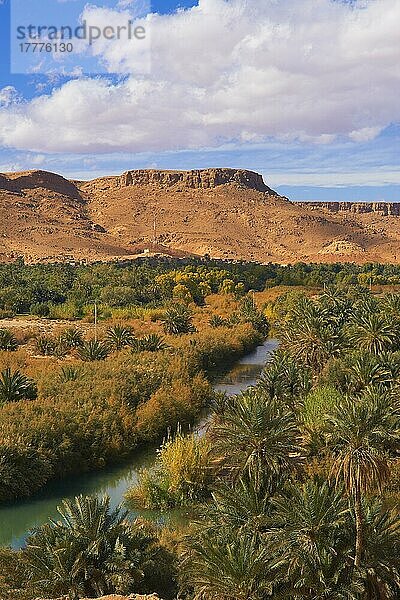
278	91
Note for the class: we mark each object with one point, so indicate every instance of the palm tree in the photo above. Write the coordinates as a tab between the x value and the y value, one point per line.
225	566
178	320
358	433
15	386
308	542
91	551
381	568
8	340
358	370
119	336
284	378
257	435
373	332
311	335
71	338
243	507
93	350
149	343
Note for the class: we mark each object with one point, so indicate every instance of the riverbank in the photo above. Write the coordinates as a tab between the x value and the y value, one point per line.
17	519
99	412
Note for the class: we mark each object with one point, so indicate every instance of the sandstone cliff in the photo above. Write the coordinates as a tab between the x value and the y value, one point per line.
226	213
382	208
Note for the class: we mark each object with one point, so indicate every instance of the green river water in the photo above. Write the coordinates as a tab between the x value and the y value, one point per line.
18	518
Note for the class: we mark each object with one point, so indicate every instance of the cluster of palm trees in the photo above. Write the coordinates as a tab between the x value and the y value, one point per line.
299	508
303	504
93	550
116	338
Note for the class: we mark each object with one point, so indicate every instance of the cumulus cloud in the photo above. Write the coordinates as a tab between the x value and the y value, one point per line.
237	71
8	96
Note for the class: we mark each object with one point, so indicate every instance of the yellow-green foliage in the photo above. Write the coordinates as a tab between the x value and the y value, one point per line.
182	474
213	347
108	408
317	405
178	402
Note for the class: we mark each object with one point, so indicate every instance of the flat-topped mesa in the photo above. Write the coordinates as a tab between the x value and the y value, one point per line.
196	179
383	208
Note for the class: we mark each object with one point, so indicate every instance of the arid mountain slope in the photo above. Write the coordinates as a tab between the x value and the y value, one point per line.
227	213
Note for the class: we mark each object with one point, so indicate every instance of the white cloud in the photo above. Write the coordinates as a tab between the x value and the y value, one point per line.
365	134
237	71
372	178
8	96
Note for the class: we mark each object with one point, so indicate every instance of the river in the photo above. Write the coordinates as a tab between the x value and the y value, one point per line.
18	518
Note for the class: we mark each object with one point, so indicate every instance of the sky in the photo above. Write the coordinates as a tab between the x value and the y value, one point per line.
305	92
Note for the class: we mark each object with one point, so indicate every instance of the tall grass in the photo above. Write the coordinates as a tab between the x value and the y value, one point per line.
182	475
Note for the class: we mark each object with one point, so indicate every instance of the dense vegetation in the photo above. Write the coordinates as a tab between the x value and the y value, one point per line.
300	474
69	291
295	485
74	399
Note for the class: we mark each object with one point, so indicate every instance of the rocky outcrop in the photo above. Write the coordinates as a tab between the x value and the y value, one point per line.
33	180
342	248
196	179
382	208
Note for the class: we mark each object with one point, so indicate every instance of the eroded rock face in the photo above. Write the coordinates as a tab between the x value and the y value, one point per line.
196	179
32	180
383	208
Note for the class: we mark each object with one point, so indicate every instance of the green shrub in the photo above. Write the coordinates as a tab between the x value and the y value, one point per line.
217	321
118	337
178	320
93	350
317	405
70	373
40	309
8	340
45	345
71	338
149	343
15	386
182	475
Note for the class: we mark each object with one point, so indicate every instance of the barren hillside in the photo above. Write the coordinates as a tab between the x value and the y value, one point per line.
225	213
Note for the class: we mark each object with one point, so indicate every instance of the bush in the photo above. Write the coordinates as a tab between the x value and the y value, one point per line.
23	470
71	338
317	405
217	321
45	345
178	320
182	475
149	343
70	373
8	340
119	336
173	403
40	309
93	350
15	386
